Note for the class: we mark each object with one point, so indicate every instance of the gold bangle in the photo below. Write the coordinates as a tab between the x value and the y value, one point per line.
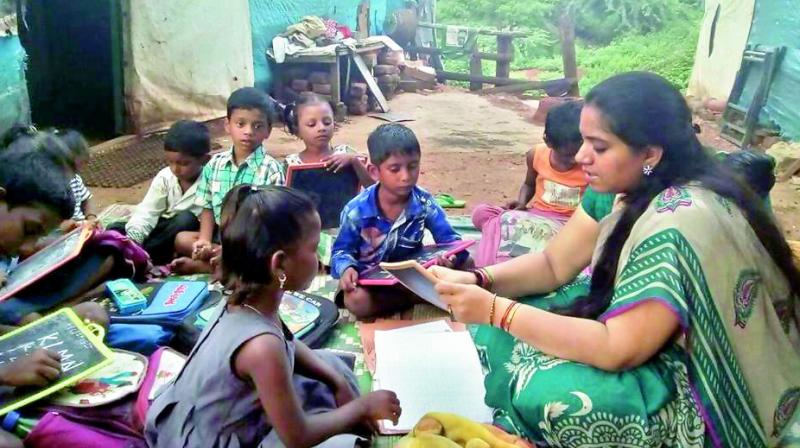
491	310
511	317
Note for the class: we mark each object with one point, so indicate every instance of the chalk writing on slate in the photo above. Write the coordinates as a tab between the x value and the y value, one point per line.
61	332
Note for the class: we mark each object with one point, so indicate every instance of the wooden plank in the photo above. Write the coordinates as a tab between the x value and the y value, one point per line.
475	69
484	31
566	28
336	79
425	50
362	20
373	86
789	170
532	85
503	67
453	76
497	57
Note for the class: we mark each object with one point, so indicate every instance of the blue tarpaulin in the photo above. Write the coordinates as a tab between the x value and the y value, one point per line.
14	105
271	17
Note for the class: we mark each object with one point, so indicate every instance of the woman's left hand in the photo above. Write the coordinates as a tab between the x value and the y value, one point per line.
343	393
336	162
469	304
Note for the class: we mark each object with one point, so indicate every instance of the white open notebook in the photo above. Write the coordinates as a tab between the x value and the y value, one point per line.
430	370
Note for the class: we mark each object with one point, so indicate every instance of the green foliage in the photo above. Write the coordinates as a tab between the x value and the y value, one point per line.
525	14
600	21
668	52
615	36
597	21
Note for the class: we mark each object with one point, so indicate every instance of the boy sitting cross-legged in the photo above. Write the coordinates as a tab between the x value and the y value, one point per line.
169	206
386	222
249	123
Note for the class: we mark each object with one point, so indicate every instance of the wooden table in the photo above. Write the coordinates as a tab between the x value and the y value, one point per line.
334	63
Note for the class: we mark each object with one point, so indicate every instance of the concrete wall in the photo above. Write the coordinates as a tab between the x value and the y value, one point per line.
14	104
271	17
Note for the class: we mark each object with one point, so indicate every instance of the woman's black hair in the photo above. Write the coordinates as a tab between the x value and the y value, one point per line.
30	175
644	110
257	222
291	111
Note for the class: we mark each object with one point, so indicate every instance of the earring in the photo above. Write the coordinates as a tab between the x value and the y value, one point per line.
647	170
282	279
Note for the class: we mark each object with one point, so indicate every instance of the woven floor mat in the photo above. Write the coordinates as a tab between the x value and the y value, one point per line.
126	164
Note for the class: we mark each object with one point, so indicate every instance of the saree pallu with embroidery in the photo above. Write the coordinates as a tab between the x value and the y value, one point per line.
732	377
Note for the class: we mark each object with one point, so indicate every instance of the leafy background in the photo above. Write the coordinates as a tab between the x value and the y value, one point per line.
614	36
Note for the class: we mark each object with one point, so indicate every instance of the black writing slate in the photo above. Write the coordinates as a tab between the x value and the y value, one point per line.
45	261
330	191
63	333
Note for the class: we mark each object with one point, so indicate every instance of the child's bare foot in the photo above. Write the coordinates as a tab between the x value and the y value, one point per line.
186	266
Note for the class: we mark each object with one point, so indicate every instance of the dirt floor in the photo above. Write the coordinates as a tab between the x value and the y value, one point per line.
473	148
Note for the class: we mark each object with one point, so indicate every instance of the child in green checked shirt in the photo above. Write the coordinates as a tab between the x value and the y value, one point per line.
249	123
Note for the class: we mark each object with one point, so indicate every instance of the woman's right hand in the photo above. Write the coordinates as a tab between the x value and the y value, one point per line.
453	276
382	405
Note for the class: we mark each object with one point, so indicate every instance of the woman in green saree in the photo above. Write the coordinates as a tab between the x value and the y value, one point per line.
687	332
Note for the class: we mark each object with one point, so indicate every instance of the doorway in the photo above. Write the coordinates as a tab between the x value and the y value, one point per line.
74	71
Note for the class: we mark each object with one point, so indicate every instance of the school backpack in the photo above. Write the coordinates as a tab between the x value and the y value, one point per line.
157	324
314	335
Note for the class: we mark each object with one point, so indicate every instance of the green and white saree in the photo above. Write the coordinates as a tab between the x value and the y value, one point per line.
732	378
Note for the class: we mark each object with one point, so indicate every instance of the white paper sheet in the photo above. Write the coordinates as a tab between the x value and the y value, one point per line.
436	326
436	371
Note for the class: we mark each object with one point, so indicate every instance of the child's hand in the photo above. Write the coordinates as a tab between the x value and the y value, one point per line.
382	405
344	394
515	205
37	369
448	262
453	276
201	250
338	161
68	226
349	280
93	312
92	222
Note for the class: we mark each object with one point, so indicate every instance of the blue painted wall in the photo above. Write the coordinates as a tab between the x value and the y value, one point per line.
271	17
14	105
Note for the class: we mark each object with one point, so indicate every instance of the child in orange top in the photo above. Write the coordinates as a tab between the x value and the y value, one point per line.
551	192
554	180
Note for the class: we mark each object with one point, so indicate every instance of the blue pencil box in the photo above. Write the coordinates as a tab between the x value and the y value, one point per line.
126	296
172	303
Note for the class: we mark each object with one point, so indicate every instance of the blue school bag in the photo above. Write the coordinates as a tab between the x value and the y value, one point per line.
154	326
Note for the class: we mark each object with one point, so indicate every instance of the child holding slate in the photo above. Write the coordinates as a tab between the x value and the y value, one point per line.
310	118
249	123
386	222
34	197
245	360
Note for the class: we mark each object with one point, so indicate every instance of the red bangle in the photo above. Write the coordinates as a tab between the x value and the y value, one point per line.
480	278
505	316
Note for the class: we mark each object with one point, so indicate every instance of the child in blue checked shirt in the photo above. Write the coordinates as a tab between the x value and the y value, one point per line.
386	222
249	123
